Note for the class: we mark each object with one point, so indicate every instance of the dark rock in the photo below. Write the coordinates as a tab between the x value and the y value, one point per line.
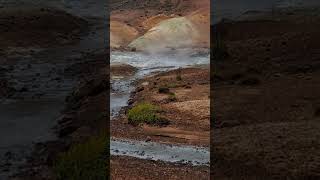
187	87
164	90
130	101
139	89
162	122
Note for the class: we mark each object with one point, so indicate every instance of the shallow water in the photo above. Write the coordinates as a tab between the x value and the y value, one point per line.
155	151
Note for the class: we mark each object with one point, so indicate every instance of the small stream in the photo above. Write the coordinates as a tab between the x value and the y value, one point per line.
148	64
156	151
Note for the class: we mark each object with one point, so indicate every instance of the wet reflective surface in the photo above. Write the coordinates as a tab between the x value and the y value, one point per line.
156	151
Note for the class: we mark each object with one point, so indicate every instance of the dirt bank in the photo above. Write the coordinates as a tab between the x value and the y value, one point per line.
186	108
266	99
86	108
119	69
39	27
124	167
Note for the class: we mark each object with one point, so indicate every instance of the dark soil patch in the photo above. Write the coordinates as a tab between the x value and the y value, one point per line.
42	27
265	126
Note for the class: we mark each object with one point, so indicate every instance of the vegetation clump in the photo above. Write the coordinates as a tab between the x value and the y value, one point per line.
84	161
178	77
144	113
172	97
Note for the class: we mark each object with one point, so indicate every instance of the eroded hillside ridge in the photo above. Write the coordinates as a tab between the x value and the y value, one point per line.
159	25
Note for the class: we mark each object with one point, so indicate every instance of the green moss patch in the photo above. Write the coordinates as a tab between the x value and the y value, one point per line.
144	113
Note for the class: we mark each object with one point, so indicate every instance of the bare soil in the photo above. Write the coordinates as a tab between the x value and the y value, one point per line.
134	12
266	100
132	168
39	27
119	69
188	114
